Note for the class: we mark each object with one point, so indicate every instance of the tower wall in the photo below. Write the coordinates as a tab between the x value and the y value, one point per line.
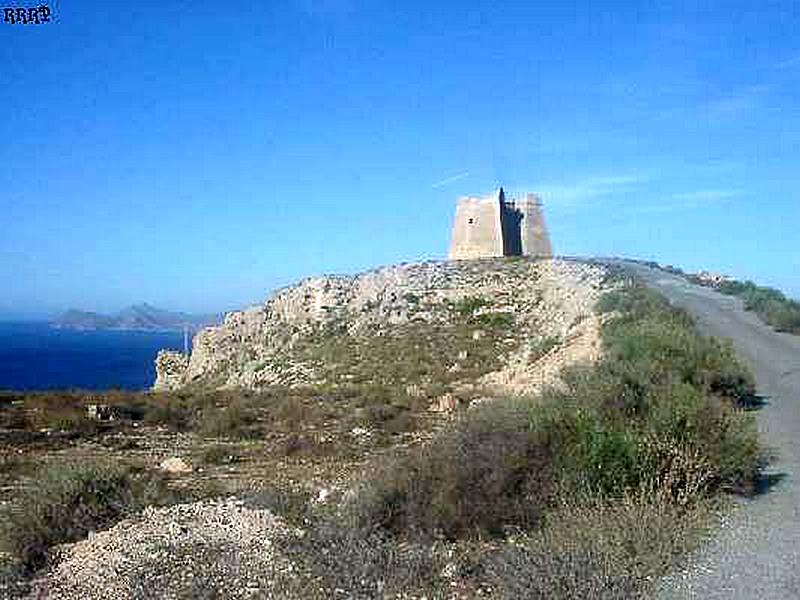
533	229
477	228
494	226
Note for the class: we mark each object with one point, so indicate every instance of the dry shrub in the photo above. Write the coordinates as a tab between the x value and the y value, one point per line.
221	455
596	549
337	561
232	421
298	444
66	501
60	411
293	505
488	472
681	473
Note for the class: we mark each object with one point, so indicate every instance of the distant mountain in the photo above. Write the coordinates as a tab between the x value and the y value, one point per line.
78	319
139	317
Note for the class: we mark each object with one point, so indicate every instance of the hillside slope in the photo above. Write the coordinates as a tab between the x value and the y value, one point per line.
487	321
592	489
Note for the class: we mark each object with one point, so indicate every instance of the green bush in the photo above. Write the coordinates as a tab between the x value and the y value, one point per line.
664	347
611	459
633	302
469	305
495	320
67	501
542	346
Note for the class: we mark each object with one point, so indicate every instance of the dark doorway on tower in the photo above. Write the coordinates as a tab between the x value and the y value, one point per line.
511	224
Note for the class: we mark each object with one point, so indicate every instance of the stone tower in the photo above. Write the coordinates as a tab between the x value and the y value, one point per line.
497	226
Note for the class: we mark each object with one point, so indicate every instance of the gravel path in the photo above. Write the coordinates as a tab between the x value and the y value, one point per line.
757	553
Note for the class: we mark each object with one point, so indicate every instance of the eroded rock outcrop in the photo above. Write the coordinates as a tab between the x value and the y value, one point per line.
170	370
275	343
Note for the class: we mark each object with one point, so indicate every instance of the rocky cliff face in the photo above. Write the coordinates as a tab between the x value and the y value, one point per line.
413	323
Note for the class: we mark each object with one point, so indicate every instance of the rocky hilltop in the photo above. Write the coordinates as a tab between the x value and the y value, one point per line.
506	322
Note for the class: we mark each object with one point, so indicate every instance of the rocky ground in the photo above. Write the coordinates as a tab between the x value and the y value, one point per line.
541	300
211	549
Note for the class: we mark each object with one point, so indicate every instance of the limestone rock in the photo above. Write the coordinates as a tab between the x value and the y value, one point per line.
175	466
170	369
263	345
446	403
100	412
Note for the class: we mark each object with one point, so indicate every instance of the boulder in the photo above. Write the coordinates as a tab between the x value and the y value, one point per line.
170	369
446	403
175	466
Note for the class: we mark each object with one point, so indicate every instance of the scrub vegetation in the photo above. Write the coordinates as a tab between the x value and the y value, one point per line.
593	488
590	490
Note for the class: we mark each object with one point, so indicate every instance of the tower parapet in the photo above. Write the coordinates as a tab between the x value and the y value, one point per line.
498	226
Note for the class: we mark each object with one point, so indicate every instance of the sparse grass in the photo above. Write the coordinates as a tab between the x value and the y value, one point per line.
415	352
495	320
220	455
232	420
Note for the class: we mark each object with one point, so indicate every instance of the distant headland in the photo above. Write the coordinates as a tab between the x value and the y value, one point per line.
138	317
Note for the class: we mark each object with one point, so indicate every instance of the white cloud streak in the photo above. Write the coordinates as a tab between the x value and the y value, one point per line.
449	180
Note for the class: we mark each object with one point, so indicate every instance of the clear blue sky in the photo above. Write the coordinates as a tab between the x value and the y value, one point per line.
196	155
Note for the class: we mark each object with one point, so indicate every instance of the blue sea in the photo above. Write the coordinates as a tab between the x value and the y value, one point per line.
35	356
